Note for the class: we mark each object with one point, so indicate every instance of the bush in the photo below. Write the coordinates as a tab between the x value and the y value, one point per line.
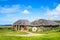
30	30
9	28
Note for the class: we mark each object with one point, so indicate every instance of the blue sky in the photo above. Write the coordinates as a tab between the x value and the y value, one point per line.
13	10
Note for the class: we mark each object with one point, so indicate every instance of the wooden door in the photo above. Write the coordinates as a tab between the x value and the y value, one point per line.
25	27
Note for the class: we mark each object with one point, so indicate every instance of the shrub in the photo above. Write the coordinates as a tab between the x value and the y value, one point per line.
30	30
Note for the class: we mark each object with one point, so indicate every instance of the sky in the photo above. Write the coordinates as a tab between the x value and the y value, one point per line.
13	10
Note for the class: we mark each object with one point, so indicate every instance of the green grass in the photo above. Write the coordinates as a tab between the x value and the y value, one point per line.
53	36
10	32
49	35
6	30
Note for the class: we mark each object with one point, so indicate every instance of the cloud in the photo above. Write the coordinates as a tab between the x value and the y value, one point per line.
54	13
25	11
9	9
11	13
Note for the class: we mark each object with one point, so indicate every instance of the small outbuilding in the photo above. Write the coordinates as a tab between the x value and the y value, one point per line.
21	25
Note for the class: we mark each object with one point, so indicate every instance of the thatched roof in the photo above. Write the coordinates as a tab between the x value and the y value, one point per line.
43	22
36	22
21	22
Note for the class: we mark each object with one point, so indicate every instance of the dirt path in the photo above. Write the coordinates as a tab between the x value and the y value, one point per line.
31	34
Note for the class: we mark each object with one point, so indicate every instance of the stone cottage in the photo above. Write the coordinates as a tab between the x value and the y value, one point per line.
42	24
21	25
36	25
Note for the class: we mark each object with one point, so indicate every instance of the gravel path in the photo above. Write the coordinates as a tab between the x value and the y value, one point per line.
30	34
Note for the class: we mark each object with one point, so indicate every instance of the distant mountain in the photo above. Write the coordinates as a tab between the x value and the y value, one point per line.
6	25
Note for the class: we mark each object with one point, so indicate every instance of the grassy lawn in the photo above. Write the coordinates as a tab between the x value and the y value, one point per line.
49	35
10	32
52	36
